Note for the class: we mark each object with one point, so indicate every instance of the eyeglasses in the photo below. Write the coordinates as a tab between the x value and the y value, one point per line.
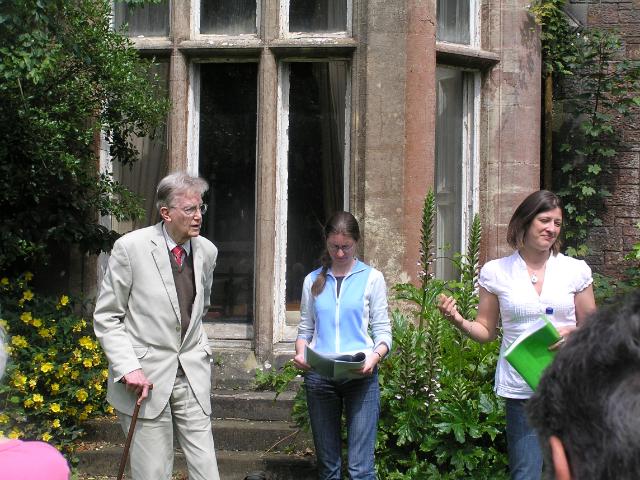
191	211
337	248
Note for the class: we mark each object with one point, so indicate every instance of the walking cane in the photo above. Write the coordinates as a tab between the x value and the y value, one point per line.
127	444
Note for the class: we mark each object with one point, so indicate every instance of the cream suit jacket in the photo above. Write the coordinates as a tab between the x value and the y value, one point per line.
137	320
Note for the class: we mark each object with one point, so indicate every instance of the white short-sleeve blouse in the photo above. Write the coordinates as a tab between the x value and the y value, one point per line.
520	305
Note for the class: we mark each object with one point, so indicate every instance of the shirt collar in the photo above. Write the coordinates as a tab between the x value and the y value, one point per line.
171	243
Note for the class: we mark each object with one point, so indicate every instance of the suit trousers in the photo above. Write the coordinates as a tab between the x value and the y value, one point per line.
151	451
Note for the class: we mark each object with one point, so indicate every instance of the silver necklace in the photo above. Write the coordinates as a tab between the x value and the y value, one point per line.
534	278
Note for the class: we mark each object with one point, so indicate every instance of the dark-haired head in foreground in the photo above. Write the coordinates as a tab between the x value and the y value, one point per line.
587	406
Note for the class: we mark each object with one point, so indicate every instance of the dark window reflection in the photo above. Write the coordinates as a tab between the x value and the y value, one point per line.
316	164
228	17
227	159
150	20
318	16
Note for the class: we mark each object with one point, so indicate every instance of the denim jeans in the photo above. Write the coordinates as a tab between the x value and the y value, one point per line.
360	399
525	455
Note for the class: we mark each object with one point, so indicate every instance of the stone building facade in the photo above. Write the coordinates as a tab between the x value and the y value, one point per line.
619	233
293	109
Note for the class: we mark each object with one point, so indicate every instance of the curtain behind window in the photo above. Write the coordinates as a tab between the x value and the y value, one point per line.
449	156
454	21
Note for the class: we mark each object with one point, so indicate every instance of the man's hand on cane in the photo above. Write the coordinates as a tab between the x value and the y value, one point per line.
137	382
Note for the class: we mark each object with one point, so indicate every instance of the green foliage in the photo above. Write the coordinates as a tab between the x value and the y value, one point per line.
606	289
595	89
56	372
64	78
439	416
279	380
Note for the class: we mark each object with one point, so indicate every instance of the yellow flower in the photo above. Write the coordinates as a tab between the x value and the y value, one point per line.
32	383
75	374
46	367
45	333
64	300
104	373
4	418
55	388
37	398
110	410
28	276
80	325
82	395
83	416
26	317
86	342
28	403
87	363
55	407
37	322
19	379
15	433
4	281
4	324
56	423
38	357
27	295
46	436
19	341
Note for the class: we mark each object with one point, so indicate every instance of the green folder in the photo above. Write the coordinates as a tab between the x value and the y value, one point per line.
529	354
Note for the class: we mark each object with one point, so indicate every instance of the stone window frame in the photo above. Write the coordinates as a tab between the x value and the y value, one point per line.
185	48
475	62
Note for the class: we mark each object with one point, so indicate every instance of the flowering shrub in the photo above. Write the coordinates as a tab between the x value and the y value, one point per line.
56	371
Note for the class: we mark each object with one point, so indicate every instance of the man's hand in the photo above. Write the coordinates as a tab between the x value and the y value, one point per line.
137	381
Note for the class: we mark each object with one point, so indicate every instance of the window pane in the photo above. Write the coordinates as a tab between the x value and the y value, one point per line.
317	93
150	20
318	16
228	17
453	21
227	160
449	152
143	177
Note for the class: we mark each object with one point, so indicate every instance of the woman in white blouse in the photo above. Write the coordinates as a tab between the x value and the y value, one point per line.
517	289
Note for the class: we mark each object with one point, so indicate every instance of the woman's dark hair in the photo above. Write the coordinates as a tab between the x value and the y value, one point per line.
345	224
537	202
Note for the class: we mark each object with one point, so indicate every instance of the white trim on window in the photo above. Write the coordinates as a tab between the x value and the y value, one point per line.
470	159
280	255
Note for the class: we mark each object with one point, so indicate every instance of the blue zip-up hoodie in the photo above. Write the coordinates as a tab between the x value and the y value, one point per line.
335	323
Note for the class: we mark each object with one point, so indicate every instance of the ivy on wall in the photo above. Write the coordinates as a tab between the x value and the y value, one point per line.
593	89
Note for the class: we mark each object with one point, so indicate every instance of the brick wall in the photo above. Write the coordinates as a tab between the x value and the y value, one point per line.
614	239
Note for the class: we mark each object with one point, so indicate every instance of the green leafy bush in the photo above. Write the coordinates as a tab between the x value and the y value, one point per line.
66	78
56	374
439	416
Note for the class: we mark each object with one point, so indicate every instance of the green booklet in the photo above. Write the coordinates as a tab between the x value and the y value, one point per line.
529	354
337	366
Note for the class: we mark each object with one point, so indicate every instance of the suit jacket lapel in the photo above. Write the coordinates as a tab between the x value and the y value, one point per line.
161	257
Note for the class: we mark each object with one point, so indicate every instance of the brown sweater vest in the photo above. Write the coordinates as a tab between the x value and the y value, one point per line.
185	288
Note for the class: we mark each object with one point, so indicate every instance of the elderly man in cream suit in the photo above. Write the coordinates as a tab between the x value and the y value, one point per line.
148	318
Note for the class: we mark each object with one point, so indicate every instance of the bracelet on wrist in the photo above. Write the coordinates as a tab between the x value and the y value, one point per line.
378	353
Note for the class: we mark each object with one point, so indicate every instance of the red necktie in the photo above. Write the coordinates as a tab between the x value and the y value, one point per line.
178	253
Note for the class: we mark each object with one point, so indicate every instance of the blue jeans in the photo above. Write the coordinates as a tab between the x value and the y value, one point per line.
361	401
525	455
